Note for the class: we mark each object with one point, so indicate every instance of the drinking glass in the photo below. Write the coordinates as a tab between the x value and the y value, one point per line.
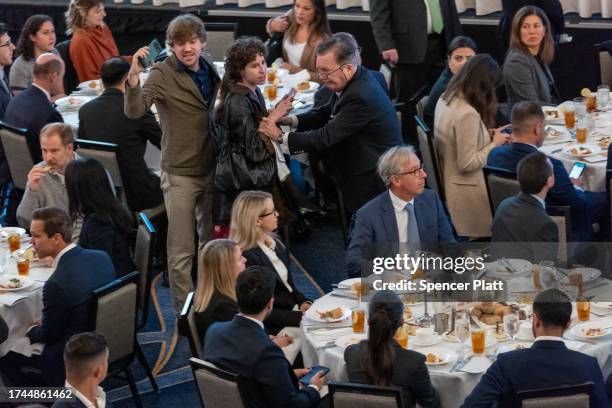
358	320
603	95
548	275
579	108
570	116
591	102
511	324
583	307
462	327
2	260
23	266
581	131
14	242
478	341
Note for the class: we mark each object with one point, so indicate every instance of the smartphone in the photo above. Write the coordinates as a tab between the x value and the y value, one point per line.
292	93
155	49
577	170
308	377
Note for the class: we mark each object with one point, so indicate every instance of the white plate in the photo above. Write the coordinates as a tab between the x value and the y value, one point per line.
313	315
11	230
73	101
560	119
313	87
349	339
436	339
521	266
447	355
592	150
93	85
588	274
511	347
579	330
348	283
25	282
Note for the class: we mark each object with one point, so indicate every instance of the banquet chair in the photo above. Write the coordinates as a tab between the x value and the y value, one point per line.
603	65
562	216
187	326
216	387
349	395
114	315
219	37
146	237
71	80
106	154
501	184
429	157
565	396
17	153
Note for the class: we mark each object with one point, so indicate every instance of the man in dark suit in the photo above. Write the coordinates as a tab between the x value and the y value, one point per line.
413	37
352	131
406	213
522	220
269	380
528	135
547	363
66	298
6	59
86	360
104	120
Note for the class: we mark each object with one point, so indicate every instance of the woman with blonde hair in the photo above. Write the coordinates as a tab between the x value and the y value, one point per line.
254	219
220	263
92	42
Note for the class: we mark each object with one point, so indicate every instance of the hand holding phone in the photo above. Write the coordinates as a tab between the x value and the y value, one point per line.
577	170
307	379
155	49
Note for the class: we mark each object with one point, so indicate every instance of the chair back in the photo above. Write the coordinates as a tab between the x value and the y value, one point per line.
501	184
429	157
566	396
114	316
187	326
219	37
420	106
71	80
562	216
17	153
106	154
216	387
143	259
348	395
609	191
603	65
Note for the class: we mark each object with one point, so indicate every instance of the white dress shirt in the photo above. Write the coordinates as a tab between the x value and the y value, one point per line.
429	24
62	252
551	338
100	397
277	263
542	202
294	51
401	215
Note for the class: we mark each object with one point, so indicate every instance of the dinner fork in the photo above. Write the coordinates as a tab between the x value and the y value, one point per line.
329	344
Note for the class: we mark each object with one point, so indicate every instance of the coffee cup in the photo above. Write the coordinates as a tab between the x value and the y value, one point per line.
424	335
525	330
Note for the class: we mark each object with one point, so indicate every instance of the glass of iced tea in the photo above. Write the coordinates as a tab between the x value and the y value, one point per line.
583	307
575	279
358	320
14	242
356	287
23	266
271	75
581	133
570	117
591	102
478	341
271	91
401	336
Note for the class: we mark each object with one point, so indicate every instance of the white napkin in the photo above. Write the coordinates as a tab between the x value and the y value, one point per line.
324	336
292	80
477	365
23	346
292	350
595	158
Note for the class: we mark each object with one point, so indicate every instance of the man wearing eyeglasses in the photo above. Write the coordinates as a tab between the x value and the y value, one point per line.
351	131
406	213
6	59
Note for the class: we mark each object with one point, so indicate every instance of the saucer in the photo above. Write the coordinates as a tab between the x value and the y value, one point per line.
436	339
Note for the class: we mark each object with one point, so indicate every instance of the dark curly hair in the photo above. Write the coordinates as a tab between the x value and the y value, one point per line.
238	56
25	46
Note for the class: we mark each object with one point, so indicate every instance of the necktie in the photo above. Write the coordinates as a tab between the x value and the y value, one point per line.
4	83
437	24
414	237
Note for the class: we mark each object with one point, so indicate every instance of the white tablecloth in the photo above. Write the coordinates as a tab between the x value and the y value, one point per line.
452	387
19	315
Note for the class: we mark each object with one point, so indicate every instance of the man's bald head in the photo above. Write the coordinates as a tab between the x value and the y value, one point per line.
47	64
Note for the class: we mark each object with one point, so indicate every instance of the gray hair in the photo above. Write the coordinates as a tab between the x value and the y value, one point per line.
344	48
390	163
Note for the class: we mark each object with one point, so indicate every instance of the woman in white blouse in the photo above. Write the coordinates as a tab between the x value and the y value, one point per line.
303	28
254	219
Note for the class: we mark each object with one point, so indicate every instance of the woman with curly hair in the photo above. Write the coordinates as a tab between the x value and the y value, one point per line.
37	37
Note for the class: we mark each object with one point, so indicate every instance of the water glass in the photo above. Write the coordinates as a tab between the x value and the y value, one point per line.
548	275
462	327
603	95
579	108
511	324
2	260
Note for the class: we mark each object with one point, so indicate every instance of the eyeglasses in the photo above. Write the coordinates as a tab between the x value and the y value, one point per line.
326	74
6	44
415	173
270	213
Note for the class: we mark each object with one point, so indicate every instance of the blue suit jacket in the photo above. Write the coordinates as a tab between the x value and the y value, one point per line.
67	296
243	347
547	363
563	192
375	223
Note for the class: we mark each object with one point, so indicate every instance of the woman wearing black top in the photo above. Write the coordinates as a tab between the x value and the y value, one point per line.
106	223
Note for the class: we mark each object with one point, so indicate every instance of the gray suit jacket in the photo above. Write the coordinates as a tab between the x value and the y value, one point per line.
529	232
402	24
526	80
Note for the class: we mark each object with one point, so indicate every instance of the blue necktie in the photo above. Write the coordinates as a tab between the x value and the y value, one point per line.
414	238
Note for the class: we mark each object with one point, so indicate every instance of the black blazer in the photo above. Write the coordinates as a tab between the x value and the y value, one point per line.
5	97
402	24
521	220
409	372
104	120
283	314
243	347
220	309
323	94
66	306
4	331
100	235
353	131
552	9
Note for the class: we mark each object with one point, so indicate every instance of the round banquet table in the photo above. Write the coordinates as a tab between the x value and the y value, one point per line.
453	387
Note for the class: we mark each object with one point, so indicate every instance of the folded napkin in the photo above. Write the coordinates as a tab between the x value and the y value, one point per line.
323	336
477	365
292	350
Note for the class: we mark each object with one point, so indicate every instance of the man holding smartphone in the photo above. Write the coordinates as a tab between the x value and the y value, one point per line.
183	88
